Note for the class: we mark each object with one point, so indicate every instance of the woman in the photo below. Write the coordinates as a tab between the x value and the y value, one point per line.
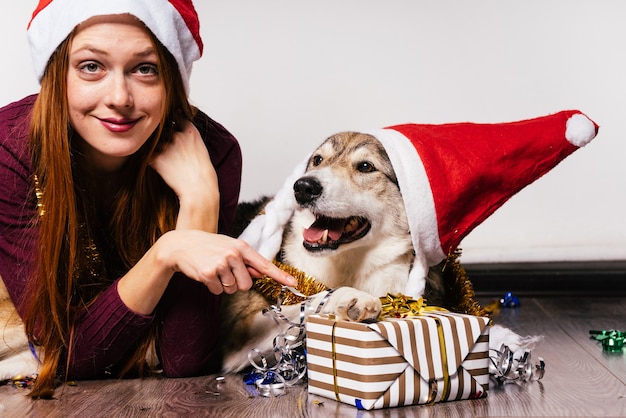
112	198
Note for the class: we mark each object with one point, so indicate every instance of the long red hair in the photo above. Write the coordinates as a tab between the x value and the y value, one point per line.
70	271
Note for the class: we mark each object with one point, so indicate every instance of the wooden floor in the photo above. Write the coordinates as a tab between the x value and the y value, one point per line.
580	381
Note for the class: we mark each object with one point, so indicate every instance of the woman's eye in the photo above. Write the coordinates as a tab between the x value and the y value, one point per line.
90	67
148	69
365	167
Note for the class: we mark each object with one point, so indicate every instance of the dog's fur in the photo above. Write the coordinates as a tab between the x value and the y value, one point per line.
350	186
15	355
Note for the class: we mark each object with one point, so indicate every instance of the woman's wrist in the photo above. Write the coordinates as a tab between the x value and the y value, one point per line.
200	213
143	286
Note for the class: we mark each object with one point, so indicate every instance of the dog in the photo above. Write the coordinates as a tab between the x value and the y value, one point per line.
16	357
349	231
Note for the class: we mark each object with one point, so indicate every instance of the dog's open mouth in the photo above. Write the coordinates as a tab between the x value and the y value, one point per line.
329	233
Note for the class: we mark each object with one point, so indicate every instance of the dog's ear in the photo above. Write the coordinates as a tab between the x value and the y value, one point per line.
246	212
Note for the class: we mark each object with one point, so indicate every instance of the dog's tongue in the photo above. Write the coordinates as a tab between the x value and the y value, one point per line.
315	232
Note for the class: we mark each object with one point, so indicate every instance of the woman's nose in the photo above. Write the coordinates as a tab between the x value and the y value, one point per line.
119	91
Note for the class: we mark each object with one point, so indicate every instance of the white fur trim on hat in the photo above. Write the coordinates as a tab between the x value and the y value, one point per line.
51	25
265	232
419	205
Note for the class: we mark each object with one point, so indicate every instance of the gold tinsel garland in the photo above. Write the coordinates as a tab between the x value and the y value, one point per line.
271	289
90	264
459	290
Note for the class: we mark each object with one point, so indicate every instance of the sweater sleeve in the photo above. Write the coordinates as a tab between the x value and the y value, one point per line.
17	201
226	156
104	333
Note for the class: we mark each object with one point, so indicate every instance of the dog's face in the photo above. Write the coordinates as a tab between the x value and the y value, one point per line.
348	196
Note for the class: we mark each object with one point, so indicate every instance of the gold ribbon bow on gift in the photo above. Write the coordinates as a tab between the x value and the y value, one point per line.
401	306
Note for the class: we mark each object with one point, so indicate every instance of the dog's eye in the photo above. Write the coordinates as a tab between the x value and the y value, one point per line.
316	160
365	167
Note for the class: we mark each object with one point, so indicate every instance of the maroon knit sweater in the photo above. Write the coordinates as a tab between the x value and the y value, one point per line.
107	332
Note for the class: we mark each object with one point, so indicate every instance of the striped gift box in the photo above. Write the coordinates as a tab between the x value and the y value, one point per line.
433	357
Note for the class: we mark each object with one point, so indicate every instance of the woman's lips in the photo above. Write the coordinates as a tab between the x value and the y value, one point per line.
119	125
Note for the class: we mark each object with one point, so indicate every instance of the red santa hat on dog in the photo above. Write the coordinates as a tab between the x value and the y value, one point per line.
452	177
174	23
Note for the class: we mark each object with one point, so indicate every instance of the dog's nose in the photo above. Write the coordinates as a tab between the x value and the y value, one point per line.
307	189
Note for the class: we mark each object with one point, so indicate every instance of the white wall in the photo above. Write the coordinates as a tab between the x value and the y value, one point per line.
284	74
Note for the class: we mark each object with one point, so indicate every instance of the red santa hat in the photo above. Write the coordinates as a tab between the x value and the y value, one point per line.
174	23
452	177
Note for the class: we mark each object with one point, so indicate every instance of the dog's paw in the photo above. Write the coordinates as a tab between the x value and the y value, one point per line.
350	304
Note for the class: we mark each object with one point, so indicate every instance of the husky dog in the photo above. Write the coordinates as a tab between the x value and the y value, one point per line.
348	231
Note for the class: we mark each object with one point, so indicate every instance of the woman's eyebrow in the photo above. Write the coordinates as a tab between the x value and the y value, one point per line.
146	52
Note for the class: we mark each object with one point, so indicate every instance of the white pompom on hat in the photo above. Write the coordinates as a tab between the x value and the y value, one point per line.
452	177
175	24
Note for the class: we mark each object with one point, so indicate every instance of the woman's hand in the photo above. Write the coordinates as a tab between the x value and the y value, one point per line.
222	263
185	165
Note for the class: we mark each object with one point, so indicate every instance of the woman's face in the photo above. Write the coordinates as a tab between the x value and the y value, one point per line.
114	91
